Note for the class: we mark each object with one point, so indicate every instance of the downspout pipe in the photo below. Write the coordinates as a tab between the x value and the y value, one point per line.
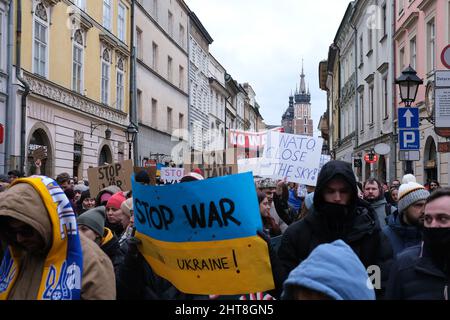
26	86
393	66
9	115
356	86
133	89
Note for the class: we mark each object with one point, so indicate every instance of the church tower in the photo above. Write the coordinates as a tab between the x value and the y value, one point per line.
302	123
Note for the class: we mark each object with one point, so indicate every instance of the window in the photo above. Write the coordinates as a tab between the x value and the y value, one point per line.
305	129
401	59
155	56
182	35
120	85
139	43
155	9
181	78
361	108
431	45
154	109
400	7
371	109
169	119
170	23
305	120
413	53
360	50
107	14
80	4
369	39
139	105
40	40
384	19
181	121
169	68
77	65
385	98
121	23
105	75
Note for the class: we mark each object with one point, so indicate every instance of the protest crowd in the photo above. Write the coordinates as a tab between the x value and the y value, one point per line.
338	239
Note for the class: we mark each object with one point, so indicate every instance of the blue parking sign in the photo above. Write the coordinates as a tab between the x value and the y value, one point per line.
408	118
409	139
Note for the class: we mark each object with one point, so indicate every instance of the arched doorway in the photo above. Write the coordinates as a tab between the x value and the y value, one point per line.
105	156
39	141
430	160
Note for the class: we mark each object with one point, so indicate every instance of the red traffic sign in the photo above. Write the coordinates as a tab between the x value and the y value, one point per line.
371	158
445	57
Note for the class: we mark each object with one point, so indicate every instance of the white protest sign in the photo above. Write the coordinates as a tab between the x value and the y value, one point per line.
172	174
294	157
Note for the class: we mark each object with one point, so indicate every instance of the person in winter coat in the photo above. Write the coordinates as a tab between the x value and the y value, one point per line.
331	271
85	202
137	280
337	213
423	271
116	220
47	258
404	227
374	194
92	224
271	228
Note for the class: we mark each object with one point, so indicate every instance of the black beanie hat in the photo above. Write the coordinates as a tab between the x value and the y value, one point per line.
94	219
143	177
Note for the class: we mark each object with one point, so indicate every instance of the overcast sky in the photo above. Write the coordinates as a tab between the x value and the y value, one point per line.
263	42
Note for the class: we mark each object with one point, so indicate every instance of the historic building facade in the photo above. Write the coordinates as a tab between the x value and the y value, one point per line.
74	60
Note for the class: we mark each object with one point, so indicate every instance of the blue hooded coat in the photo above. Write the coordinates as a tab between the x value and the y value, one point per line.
334	270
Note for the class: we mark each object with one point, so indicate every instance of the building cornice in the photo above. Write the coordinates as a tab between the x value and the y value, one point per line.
200	27
74	101
217	85
425	4
383	67
413	17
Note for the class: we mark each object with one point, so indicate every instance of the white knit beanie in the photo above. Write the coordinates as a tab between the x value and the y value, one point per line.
408	178
409	193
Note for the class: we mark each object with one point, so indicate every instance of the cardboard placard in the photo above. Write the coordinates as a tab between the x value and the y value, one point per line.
118	174
39	154
215	163
151	171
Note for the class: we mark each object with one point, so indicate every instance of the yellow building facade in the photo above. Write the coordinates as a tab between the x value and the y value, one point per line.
75	57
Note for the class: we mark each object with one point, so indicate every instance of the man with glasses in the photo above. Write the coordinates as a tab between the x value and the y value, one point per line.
422	272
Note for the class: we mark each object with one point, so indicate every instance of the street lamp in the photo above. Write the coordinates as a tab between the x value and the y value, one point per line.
131	133
408	83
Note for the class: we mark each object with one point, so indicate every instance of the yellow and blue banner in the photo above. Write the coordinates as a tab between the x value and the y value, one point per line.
201	236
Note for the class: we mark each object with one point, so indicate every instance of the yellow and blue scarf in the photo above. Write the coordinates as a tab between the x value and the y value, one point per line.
63	267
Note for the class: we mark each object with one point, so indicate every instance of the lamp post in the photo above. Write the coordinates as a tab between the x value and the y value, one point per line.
131	133
408	84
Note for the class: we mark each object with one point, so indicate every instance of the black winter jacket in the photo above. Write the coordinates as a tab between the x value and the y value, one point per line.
363	233
414	276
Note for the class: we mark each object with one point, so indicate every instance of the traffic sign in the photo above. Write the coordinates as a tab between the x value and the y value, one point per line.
408	118
445	57
409	139
412	155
